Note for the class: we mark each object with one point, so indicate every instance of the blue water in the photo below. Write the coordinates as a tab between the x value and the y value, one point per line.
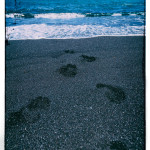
32	19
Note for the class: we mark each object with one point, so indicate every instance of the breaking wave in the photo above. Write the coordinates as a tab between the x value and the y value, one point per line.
34	31
69	15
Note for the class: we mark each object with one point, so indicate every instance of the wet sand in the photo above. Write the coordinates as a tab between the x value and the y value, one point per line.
75	94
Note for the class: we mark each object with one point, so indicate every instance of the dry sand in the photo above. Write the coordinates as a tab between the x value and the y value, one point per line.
75	94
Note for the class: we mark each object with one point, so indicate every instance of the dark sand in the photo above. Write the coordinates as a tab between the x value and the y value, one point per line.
83	94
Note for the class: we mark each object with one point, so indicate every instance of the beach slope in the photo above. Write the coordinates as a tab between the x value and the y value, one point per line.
73	94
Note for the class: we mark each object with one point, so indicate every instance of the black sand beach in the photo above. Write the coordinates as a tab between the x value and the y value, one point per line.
75	94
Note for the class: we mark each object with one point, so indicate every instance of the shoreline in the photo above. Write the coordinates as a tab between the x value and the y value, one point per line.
129	35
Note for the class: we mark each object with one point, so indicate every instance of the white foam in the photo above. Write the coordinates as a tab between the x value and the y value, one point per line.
133	14
14	15
59	15
48	15
116	14
36	31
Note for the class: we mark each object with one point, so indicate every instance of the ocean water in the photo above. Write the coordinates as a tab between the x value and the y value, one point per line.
32	19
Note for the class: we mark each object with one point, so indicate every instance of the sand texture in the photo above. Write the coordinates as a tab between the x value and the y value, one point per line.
75	94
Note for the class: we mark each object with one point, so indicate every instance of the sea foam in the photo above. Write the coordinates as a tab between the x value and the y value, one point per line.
59	15
47	15
68	15
38	31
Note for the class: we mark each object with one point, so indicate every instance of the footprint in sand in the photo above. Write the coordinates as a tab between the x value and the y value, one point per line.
88	58
115	94
117	145
29	113
69	70
39	103
69	51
